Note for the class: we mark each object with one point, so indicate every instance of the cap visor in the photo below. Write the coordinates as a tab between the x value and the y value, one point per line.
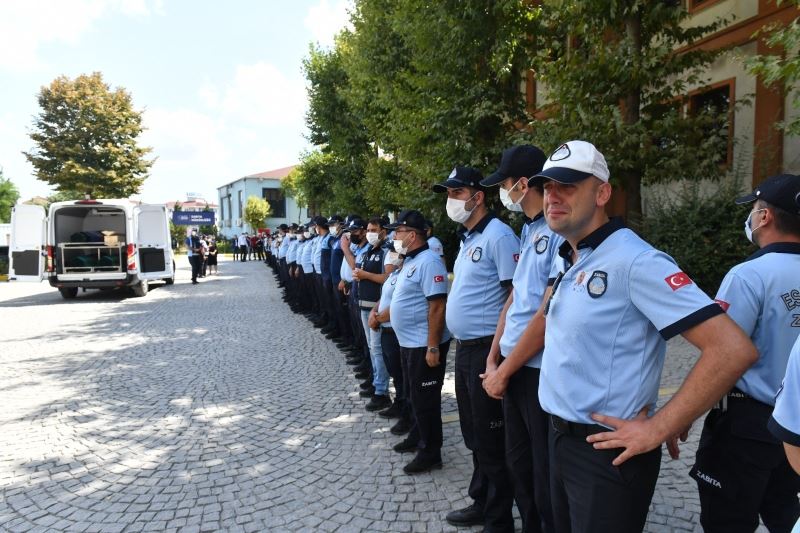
392	226
746	199
493	179
562	175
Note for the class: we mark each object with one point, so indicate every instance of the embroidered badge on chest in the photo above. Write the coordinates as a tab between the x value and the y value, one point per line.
476	254
541	244
598	283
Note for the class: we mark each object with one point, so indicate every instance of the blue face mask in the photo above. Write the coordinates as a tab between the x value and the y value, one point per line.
748	228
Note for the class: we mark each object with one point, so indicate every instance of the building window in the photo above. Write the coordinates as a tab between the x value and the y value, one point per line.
241	208
693	6
718	99
277	202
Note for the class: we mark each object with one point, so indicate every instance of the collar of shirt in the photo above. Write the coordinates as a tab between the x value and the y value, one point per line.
417	251
463	232
777	248
594	239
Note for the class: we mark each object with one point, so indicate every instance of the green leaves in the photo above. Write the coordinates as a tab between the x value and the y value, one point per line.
85	139
8	198
256	210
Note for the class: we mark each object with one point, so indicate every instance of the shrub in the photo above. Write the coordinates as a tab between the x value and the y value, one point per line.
702	229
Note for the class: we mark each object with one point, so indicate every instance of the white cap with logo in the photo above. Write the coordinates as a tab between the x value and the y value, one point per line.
575	161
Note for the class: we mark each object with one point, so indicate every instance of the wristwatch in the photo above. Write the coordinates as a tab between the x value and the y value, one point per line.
433	349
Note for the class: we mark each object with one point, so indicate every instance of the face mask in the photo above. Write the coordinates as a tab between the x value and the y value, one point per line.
748	229
505	197
335	231
399	247
307	234
373	238
355	239
457	210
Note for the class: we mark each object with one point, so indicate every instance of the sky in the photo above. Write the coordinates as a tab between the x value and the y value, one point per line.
220	84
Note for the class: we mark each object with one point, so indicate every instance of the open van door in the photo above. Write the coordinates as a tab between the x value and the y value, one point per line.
28	232
153	242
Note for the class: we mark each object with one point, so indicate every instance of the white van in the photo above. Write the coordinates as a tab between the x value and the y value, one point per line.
92	244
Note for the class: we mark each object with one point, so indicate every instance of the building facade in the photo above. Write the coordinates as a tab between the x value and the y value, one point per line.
233	198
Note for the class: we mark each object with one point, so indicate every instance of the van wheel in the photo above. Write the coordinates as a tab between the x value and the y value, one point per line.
140	289
68	293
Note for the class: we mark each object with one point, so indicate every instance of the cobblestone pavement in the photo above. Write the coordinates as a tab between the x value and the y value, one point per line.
210	407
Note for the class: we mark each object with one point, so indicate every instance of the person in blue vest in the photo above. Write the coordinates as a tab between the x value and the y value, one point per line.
417	315
740	468
193	250
354	244
614	303
370	271
784	424
483	271
513	368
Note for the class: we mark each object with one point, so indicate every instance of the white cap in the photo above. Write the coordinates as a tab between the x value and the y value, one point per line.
575	161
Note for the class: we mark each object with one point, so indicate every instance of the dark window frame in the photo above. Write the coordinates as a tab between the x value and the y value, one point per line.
730	84
277	201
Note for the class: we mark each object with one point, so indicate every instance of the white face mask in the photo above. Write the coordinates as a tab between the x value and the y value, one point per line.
505	197
399	248
457	209
335	230
307	234
748	229
373	238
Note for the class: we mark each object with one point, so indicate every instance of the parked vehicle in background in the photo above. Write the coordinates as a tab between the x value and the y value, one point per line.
92	244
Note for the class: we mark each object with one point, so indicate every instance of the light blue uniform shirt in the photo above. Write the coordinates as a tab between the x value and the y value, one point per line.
320	242
307	256
301	246
345	272
386	295
424	278
785	421
283	248
607	321
762	295
291	253
538	250
482	274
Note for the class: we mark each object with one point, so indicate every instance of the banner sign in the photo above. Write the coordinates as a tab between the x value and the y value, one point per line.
193	218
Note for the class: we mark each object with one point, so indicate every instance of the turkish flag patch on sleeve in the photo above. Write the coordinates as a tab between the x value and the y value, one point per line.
678	280
438	279
723	304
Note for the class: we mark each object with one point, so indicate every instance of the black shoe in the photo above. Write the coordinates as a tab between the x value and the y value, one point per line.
365	384
352	362
332	335
195	282
328	329
422	463
378	402
367	393
393	411
468	516
406	445
402	427
362	375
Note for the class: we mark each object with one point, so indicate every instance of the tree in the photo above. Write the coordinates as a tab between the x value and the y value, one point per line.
86	138
8	198
782	70
620	81
177	233
256	211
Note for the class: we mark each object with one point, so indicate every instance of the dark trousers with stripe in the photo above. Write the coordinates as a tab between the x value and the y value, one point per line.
482	427
394	364
425	395
527	450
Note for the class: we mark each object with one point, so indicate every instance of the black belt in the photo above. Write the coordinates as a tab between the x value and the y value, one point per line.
476	342
387	328
574	428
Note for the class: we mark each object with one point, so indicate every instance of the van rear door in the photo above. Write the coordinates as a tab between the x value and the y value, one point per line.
153	241
28	236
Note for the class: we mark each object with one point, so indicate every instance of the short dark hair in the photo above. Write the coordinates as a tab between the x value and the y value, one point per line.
785	222
377	221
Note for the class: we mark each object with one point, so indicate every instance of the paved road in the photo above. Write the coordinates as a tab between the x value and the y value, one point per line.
208	407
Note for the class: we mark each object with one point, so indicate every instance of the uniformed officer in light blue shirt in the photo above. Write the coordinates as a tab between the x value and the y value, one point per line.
417	315
483	270
516	380
615	301
785	421
741	470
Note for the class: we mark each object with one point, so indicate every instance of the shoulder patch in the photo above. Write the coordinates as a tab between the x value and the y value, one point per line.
678	280
438	279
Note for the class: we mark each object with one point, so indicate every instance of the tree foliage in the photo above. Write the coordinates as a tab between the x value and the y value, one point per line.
86	138
782	69
256	211
8	198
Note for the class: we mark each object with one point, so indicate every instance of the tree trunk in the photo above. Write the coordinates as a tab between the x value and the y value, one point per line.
630	116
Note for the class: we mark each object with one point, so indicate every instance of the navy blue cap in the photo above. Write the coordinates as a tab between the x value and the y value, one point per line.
460	177
318	221
523	161
357	223
283	227
781	191
411	218
335	219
